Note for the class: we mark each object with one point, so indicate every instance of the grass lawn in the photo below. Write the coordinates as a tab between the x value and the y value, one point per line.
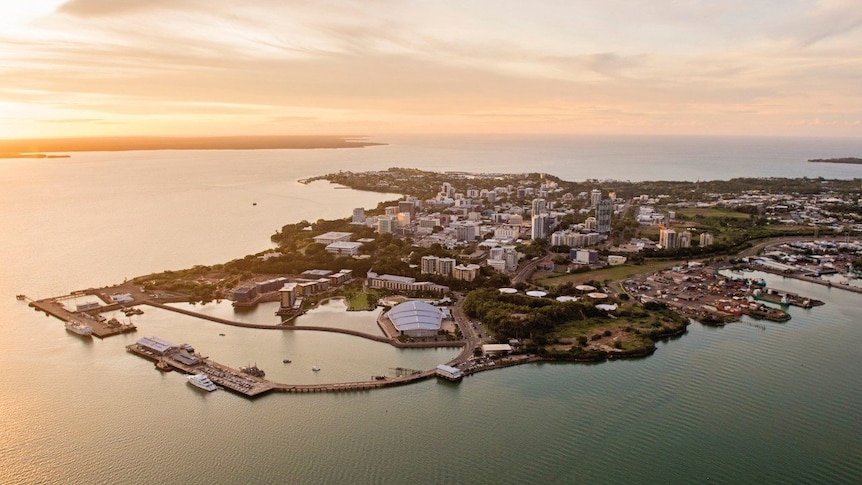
359	302
612	273
709	212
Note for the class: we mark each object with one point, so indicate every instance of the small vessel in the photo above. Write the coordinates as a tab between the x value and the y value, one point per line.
287	361
79	328
379	378
21	297
202	381
163	366
252	370
221	335
315	368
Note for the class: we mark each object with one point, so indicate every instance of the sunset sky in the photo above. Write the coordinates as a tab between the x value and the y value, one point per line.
376	67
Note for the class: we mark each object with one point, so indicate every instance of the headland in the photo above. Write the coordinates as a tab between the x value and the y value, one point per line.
35	148
837	160
518	268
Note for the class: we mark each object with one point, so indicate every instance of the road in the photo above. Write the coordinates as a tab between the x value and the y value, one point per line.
472	333
524	273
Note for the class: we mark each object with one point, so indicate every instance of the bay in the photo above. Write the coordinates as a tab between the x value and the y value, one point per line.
733	405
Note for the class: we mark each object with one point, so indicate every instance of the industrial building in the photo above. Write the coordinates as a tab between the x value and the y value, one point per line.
157	345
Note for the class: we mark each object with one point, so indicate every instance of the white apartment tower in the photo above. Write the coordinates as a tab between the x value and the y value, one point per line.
595	197
538	207
667	238
538	226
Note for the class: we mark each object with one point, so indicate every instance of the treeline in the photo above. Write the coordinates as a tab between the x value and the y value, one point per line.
519	316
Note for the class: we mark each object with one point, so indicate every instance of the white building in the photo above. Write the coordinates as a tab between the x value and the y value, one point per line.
386	224
344	247
416	318
595	197
466	272
667	238
507	232
538	206
332	237
537	229
436	265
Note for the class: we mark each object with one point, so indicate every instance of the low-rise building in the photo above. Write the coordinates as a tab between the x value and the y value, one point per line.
344	247
332	237
402	283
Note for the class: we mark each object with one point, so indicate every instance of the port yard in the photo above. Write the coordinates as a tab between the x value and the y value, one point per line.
703	293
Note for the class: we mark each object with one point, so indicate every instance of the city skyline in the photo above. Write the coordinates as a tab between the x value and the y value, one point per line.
124	68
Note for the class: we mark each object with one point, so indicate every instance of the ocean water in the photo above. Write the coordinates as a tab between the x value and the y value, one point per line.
742	404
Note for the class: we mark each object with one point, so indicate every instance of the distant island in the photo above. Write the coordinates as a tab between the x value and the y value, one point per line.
836	160
36	148
31	155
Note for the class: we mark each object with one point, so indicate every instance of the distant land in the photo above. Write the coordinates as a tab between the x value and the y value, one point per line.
836	160
34	148
31	155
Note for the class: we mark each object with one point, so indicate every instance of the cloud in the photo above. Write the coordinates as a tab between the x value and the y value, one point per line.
103	8
416	64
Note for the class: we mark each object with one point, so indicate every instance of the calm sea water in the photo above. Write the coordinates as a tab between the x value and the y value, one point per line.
740	404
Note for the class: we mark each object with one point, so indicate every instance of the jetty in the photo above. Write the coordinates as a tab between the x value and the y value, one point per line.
786	298
101	327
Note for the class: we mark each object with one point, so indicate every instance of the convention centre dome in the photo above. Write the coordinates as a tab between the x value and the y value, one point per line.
416	318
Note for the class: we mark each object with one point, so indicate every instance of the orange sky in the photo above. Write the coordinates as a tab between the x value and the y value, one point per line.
216	67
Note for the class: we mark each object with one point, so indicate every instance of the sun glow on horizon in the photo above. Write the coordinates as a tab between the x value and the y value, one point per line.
106	68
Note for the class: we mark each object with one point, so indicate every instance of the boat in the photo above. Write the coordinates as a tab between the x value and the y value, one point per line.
287	361
221	335
21	297
202	381
315	368
79	328
253	370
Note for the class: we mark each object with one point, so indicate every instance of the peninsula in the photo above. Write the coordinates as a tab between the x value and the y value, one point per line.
49	145
514	268
837	160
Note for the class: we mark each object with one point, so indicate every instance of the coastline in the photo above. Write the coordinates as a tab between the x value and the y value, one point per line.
39	147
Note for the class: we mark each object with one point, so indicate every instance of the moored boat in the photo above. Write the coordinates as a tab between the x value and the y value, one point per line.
202	381
79	328
253	370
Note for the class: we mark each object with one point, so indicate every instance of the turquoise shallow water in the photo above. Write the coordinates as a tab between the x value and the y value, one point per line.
738	404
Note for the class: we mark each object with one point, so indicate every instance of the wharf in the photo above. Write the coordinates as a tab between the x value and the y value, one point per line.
222	375
807	277
786	298
101	328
